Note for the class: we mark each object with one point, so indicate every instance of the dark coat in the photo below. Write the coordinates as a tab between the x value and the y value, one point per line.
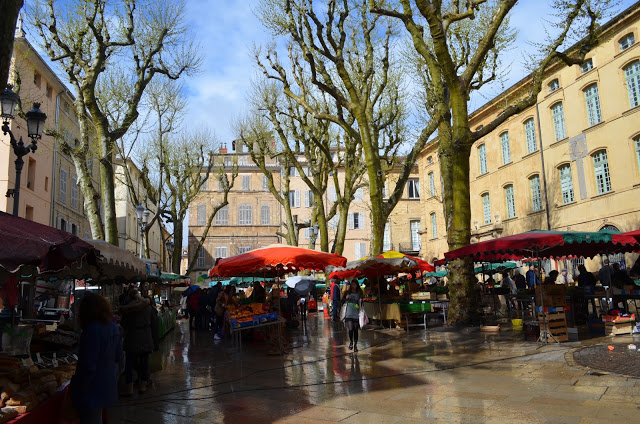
137	322
95	382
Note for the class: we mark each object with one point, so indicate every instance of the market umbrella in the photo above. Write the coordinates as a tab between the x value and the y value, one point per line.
546	244
274	260
190	289
301	284
27	243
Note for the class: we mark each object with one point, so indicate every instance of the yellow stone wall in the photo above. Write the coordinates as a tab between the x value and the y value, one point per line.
616	134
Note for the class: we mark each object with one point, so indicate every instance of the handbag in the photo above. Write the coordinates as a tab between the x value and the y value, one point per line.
343	311
363	318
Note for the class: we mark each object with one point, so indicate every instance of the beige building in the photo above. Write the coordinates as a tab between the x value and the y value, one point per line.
128	224
37	83
49	192
253	216
250	220
571	162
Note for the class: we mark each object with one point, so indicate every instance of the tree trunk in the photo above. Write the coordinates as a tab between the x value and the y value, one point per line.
107	180
9	11
323	226
341	232
90	196
463	290
176	257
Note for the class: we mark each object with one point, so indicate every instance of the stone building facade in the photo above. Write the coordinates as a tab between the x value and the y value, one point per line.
49	193
243	224
571	162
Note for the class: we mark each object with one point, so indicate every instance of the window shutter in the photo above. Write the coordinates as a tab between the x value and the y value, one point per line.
297	198
350	222
307	203
333	197
361	220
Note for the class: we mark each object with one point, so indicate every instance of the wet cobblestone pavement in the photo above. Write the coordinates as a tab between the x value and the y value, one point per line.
399	378
621	359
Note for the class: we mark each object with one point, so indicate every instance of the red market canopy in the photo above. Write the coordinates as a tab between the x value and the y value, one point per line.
27	243
547	244
273	260
635	234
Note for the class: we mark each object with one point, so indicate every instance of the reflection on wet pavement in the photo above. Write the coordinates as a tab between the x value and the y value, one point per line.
432	376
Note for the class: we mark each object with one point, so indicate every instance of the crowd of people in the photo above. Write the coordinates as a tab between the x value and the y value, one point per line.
205	307
106	346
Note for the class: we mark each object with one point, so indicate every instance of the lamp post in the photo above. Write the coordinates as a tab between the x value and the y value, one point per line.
170	246
315	229
143	218
35	123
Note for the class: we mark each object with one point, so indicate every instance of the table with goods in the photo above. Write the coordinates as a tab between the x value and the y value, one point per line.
32	384
250	316
403	308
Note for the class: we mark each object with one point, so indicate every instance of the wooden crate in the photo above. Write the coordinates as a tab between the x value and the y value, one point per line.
616	328
556	324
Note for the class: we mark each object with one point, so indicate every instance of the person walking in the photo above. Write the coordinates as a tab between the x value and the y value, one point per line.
335	298
138	340
193	306
94	385
532	277
513	290
353	299
221	304
605	274
518	278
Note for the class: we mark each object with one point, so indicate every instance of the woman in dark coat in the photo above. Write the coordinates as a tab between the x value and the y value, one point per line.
95	383
137	319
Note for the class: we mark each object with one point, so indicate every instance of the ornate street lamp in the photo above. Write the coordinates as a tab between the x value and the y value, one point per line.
170	246
314	235
143	219
35	124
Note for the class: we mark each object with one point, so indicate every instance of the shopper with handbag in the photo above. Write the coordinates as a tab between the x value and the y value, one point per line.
353	301
94	385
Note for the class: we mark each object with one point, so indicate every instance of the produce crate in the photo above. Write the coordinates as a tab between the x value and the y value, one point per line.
616	328
424	296
415	307
552	294
241	324
266	317
617	318
556	323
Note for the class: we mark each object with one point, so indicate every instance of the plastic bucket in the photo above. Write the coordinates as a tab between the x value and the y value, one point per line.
517	324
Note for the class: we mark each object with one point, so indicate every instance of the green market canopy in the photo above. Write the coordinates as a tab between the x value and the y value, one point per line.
546	244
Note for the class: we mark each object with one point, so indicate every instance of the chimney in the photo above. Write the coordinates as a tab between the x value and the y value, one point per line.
223	149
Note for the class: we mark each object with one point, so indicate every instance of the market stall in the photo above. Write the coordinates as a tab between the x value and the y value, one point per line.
397	299
550	306
272	261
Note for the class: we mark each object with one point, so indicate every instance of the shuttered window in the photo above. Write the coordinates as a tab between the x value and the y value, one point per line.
245	215
222	216
632	76
506	149
530	133
592	100
566	184
557	112
511	202
486	208
536	193
601	171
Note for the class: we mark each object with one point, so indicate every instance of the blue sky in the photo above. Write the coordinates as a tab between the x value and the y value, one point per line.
228	30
